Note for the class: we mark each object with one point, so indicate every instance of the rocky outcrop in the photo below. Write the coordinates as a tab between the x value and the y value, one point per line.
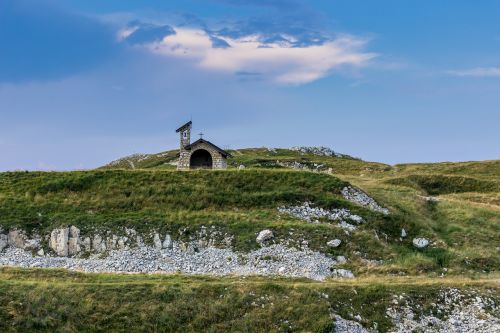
309	213
348	326
98	244
457	313
312	214
17	238
318	151
361	198
74	241
59	241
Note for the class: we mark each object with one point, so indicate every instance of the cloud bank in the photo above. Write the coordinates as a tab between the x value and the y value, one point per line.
279	57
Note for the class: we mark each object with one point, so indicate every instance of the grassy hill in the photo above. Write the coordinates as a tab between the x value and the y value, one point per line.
462	221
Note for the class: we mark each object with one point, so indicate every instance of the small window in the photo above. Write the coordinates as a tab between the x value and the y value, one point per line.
184	135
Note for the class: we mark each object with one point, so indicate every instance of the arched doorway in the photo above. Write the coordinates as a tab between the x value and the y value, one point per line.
201	159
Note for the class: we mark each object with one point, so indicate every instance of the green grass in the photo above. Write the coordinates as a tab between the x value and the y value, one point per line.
441	184
464	227
241	203
60	301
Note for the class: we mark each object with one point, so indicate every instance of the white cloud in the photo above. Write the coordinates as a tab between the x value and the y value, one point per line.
280	62
477	72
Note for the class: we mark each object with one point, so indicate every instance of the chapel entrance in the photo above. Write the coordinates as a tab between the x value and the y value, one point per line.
201	159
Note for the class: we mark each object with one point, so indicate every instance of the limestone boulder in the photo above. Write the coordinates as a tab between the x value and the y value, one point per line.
17	238
334	243
59	241
420	243
168	243
74	241
157	241
98	244
264	235
4	242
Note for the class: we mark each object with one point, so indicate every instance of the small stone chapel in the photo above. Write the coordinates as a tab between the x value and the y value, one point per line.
200	154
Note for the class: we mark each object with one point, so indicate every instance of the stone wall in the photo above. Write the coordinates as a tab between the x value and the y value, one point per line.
218	161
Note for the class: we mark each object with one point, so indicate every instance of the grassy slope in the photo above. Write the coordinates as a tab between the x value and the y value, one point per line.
464	226
48	301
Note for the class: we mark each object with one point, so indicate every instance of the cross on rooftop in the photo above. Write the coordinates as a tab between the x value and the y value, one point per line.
201	135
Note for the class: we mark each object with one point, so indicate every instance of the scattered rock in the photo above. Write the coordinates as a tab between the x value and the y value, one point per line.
264	235
318	151
348	326
463	314
309	213
334	243
341	260
342	273
41	252
420	242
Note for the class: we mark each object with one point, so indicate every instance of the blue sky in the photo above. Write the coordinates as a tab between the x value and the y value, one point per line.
83	82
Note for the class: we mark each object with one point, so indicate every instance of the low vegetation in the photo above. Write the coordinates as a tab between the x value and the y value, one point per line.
53	300
454	205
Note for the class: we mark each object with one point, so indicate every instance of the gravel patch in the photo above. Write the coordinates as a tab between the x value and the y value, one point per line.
459	314
357	196
311	214
272	260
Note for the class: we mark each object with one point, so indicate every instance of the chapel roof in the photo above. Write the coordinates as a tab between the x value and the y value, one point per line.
197	142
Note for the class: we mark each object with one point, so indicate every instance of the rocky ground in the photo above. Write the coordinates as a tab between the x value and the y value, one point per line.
129	254
361	198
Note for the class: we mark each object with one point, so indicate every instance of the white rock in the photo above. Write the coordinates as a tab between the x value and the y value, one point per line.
111	242
241	167
343	273
59	241
4	242
264	235
98	244
348	326
17	238
73	241
86	244
403	233
167	243
157	241
341	260
334	243
357	196
122	243
420	242
281	270
41	252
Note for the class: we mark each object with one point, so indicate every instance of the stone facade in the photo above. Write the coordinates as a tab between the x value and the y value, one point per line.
199	154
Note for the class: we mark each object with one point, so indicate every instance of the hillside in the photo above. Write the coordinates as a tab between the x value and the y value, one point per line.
415	231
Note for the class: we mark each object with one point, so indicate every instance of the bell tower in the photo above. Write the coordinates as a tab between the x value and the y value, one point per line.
185	134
